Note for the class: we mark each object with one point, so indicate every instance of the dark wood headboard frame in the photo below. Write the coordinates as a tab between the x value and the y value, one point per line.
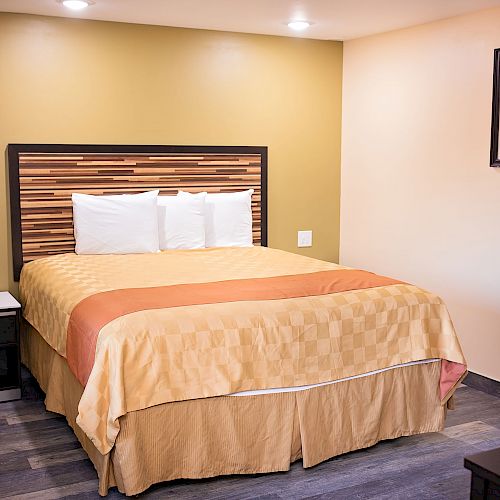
14	151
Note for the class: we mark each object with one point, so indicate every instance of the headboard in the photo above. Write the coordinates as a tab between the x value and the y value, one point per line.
42	178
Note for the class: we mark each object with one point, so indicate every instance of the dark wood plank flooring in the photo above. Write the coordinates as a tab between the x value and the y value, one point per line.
41	459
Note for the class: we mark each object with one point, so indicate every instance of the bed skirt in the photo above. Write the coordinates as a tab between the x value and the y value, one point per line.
249	434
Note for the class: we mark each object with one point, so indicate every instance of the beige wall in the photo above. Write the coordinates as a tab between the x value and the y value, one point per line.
419	200
96	82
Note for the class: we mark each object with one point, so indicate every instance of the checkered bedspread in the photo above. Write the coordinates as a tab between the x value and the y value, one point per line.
155	356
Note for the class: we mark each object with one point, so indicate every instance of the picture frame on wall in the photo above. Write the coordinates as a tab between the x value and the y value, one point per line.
494	156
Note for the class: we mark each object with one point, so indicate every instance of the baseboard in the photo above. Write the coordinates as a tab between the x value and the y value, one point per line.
482	383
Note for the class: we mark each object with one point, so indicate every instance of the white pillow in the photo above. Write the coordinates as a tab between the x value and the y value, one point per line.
181	222
117	224
228	218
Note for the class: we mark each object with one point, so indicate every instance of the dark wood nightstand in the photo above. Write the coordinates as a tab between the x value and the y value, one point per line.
10	359
485	467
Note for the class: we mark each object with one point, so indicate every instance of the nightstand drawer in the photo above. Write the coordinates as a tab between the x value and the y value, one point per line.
9	367
8	327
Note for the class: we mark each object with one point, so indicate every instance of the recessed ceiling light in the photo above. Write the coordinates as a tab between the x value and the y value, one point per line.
299	25
76	4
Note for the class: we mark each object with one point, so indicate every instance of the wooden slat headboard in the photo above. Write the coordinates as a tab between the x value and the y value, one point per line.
42	178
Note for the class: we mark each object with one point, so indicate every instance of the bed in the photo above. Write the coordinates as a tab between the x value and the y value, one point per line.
199	363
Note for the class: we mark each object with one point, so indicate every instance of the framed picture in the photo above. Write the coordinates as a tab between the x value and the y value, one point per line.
494	158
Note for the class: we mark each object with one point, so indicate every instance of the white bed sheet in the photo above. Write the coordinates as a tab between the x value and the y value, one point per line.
305	387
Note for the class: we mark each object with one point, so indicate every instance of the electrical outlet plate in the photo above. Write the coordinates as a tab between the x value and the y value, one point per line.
304	238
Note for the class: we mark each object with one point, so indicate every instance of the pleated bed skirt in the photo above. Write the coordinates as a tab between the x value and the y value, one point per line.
247	434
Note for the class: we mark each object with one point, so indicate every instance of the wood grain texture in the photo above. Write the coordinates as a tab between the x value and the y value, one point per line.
42	180
428	466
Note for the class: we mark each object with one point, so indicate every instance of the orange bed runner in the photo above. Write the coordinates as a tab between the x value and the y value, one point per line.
94	312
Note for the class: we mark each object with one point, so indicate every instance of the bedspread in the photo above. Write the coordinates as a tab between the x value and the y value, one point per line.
157	355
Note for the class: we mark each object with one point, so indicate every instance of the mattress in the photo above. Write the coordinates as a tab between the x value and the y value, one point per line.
213	322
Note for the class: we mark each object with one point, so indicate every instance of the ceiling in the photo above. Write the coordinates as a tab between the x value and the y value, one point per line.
332	19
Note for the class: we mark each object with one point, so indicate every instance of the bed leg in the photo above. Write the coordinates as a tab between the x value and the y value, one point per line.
450	404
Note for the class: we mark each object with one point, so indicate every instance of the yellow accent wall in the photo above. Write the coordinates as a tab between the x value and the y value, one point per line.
74	81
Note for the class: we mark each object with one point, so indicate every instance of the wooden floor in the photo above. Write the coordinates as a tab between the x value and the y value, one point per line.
41	459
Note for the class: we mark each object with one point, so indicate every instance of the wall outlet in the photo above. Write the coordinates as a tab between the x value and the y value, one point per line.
304	238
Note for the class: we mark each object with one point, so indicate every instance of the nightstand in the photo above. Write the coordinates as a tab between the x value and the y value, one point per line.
10	359
485	481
